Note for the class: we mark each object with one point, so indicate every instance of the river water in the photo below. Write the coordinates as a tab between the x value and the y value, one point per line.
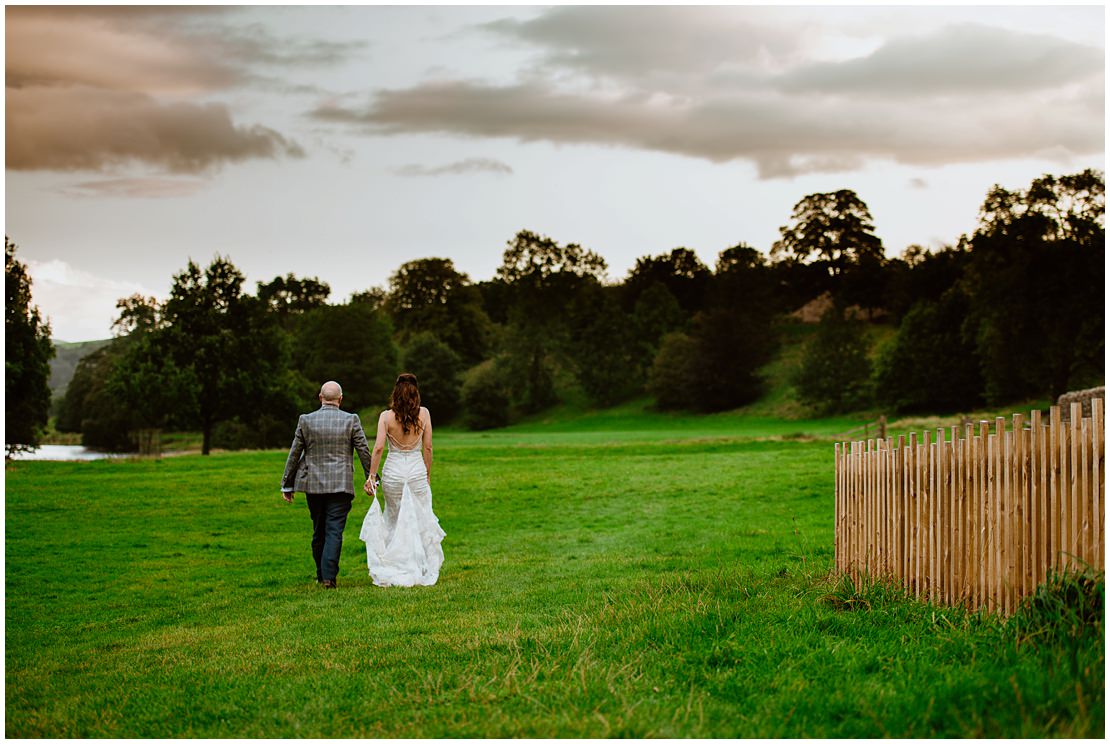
65	452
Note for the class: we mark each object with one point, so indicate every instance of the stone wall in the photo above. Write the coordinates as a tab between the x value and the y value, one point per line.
1079	396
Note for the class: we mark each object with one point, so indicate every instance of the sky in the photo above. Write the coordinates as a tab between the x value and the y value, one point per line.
341	142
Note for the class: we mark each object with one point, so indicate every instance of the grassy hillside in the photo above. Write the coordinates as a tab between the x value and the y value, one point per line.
614	577
67	355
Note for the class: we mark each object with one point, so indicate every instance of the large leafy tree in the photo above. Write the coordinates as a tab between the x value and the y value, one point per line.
536	260
920	275
834	232
289	296
225	342
930	365
419	291
1035	279
90	406
680	271
352	344
609	362
28	351
833	229
715	365
428	295
736	333
655	314
543	279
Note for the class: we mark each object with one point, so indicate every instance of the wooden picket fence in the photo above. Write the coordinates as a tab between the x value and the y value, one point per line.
978	521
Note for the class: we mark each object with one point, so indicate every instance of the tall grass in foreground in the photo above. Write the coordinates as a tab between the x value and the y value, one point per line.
649	582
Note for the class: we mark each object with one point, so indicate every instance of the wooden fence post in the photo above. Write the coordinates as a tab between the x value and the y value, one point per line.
1098	441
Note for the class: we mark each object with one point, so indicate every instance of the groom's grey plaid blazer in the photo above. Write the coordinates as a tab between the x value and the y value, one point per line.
320	459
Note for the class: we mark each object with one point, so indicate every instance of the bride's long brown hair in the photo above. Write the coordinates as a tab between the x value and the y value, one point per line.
405	402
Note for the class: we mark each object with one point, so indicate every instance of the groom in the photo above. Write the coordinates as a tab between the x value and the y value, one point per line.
321	452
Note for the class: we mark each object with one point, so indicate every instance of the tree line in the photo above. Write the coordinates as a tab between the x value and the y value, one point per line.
1011	312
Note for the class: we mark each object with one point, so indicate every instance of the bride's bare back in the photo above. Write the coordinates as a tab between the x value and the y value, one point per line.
389	428
408	440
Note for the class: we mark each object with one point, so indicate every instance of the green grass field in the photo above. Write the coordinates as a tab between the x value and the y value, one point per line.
614	574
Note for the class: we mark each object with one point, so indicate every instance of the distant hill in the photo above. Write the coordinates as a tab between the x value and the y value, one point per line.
65	361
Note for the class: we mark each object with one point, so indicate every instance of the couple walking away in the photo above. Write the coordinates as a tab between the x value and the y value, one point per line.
403	541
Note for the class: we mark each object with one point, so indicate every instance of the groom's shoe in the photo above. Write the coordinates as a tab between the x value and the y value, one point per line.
328	583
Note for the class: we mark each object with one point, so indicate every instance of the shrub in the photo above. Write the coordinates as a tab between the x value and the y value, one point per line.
929	366
834	375
437	369
732	344
485	397
671	379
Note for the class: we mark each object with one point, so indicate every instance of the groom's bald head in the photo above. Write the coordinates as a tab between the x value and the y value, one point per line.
330	392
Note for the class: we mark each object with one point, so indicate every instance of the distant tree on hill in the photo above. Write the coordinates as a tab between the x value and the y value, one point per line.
743	279
429	295
921	275
375	297
27	354
930	365
655	314
543	279
608	359
90	407
731	345
835	232
1036	281
680	271
289	296
835	372
534	260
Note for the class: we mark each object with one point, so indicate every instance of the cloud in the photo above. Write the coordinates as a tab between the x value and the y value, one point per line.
782	135
78	128
743	84
95	88
470	165
643	42
117	49
148	188
961	60
79	304
153	49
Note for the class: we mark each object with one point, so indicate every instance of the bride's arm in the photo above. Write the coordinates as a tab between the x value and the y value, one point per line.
428	443
379	447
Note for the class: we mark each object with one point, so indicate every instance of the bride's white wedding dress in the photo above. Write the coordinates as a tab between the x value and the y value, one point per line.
403	543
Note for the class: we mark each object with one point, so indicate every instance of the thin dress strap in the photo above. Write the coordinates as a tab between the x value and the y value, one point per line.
394	444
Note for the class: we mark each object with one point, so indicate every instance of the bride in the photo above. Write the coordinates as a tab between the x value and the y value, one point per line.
403	544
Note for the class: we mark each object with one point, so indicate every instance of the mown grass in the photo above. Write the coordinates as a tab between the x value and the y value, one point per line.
611	577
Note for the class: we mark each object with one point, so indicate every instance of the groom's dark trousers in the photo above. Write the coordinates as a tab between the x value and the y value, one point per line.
329	516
